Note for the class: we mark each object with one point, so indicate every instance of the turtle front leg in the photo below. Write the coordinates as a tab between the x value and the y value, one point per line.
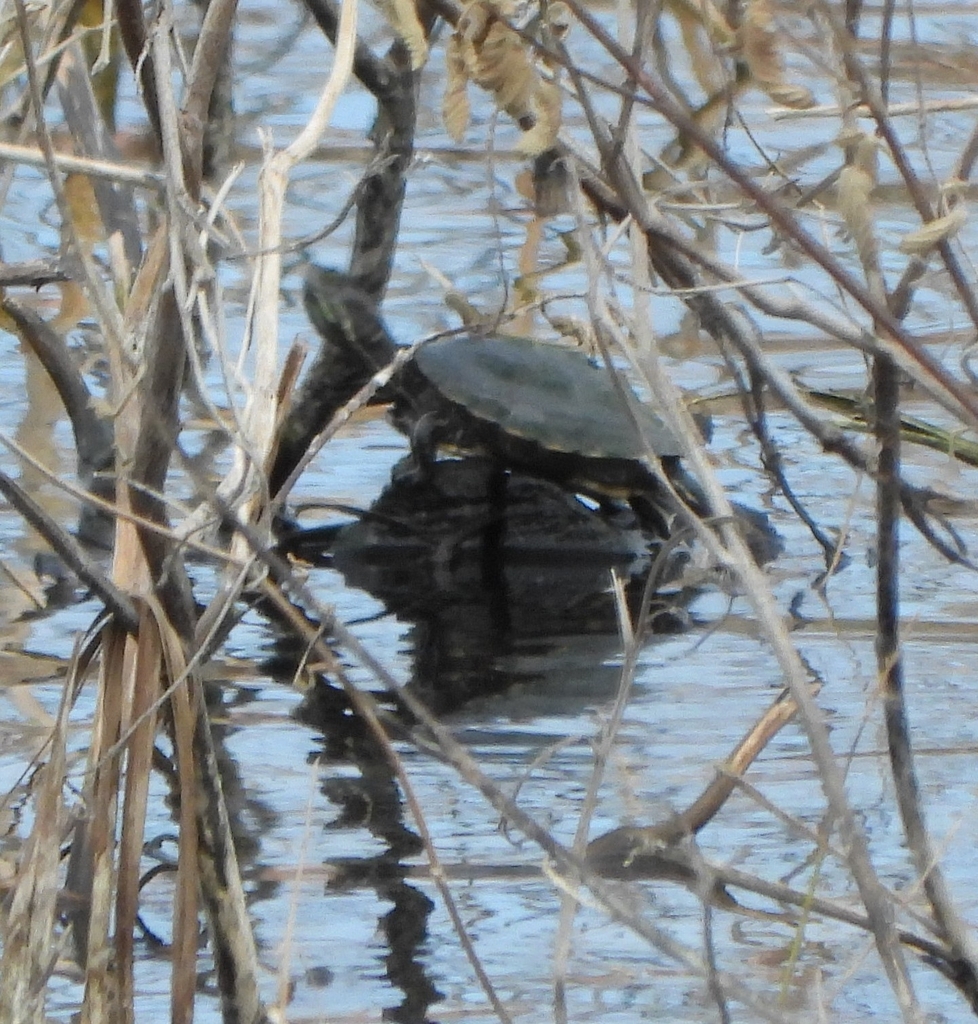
423	436
687	486
655	511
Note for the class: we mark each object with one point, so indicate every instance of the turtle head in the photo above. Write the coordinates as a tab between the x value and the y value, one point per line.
346	317
355	345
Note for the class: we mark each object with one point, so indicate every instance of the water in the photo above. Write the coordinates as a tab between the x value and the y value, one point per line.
381	943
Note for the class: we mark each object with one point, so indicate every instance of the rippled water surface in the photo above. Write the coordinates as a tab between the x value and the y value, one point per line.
381	945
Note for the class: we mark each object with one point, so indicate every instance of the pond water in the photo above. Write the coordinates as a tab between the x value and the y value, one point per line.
381	945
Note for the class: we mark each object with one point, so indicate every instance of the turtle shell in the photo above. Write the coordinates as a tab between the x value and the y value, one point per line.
544	393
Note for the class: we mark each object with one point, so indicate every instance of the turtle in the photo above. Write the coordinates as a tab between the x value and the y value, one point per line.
534	407
541	409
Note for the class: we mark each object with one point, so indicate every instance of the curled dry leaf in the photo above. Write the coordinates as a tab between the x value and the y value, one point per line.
501	66
855	188
555	26
558	19
455	102
487	51
402	15
760	43
706	35
797	97
545	108
581	332
922	241
705	14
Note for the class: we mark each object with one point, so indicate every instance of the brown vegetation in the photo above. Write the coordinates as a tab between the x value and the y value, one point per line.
137	255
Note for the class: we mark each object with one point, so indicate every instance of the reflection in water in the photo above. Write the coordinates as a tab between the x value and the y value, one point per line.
373	801
488	570
497	576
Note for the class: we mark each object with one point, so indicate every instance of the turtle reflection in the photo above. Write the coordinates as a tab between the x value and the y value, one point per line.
492	571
